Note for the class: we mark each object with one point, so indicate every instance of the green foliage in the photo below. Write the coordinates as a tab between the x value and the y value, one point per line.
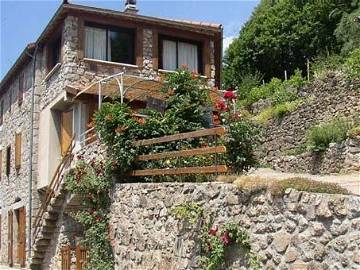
92	181
325	63
216	243
281	35
348	30
278	188
241	141
319	137
352	64
190	212
248	82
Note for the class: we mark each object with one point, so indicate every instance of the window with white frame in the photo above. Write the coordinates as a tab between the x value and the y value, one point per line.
109	43
176	53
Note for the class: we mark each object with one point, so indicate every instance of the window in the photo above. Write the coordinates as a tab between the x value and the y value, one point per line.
175	53
1	112
54	53
110	44
21	88
18	151
8	159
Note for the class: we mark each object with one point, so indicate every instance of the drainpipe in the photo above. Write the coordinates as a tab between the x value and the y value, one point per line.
31	147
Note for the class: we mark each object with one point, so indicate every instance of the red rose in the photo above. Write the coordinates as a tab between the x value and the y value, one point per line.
229	95
221	106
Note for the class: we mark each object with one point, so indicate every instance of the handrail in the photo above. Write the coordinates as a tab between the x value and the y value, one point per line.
53	187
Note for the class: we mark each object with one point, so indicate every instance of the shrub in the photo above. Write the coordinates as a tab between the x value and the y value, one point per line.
248	82
319	137
256	184
241	141
278	187
323	64
352	64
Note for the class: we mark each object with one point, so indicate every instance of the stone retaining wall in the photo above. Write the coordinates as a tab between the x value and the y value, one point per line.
299	231
333	96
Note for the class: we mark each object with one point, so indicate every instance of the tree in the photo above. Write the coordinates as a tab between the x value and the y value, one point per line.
281	35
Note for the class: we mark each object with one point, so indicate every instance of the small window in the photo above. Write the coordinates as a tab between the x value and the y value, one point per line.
1	112
18	151
8	159
21	88
54	53
110	44
176	53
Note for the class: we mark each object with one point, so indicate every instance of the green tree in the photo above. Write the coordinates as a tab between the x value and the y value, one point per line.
281	35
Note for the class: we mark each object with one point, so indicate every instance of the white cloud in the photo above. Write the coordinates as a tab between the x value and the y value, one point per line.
227	41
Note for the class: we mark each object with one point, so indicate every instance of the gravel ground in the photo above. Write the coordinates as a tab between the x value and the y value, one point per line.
349	181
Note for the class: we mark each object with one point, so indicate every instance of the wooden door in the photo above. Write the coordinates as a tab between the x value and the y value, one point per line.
66	258
21	237
81	257
10	238
66	130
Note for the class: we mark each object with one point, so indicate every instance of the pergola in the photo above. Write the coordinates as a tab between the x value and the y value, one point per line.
129	87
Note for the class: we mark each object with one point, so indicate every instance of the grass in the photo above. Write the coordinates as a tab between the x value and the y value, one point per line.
354	132
256	184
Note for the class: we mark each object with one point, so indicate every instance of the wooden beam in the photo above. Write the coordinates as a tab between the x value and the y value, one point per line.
178	171
183	153
218	131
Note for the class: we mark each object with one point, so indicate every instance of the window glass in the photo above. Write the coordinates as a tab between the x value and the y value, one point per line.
109	44
178	53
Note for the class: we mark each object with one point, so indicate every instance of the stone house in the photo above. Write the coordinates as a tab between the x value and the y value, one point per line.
39	115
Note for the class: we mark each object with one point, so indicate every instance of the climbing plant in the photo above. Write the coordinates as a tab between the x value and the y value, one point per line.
92	181
216	241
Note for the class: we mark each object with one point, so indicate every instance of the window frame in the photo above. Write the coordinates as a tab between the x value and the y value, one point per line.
109	28
198	44
18	146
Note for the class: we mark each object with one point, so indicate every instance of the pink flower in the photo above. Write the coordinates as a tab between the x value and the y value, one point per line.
213	231
184	66
229	95
225	239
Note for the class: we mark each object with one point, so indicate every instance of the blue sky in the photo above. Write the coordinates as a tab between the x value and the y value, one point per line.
22	21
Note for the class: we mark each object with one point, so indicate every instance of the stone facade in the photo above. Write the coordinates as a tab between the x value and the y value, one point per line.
333	96
298	231
50	86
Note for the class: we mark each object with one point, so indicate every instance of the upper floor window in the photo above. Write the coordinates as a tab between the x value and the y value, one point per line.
54	53
109	44
174	53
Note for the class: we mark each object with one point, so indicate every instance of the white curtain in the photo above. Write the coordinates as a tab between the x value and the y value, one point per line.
95	43
188	55
169	55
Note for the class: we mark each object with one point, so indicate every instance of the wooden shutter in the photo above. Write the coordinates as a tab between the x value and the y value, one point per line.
22	237
21	88
81	257
18	151
10	238
66	130
66	258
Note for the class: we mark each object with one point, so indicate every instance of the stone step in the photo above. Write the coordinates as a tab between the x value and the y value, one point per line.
35	264
43	242
53	209
49	223
45	235
38	254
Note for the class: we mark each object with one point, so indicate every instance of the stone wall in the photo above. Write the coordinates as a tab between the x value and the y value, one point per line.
333	96
298	231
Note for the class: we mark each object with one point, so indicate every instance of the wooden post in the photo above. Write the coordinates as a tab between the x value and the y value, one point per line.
285	72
